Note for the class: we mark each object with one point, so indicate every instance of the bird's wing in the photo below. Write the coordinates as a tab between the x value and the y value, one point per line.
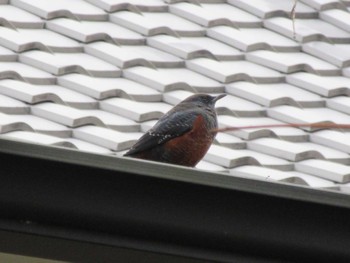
171	125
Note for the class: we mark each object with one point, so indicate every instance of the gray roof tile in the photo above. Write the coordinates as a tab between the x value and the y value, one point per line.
16	70
9	124
227	140
20	40
64	115
334	139
102	88
104	137
130	56
49	9
20	18
334	54
37	138
291	114
90	31
39	93
283	149
63	63
164	79
325	4
44	126
292	62
337	17
189	48
324	86
307	30
249	39
12	106
137	111
88	147
264	173
203	165
7	55
340	103
271	8
290	134
232	158
132	5
115	121
209	15
229	71
150	24
335	172
271	95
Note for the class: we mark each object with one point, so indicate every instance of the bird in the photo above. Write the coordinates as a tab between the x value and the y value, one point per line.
183	135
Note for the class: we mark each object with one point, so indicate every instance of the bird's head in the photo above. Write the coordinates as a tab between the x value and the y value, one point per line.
203	100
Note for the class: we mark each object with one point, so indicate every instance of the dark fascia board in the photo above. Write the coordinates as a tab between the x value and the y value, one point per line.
176	173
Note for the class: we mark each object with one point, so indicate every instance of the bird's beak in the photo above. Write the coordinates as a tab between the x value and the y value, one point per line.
218	97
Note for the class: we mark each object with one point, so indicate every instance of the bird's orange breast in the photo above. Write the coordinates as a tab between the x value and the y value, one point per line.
189	148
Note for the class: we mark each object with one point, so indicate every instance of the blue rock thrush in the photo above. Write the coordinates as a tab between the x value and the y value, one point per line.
183	135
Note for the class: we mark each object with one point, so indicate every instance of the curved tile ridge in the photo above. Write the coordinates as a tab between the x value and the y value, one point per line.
9	124
283	149
167	79
38	138
137	111
132	5
50	9
335	172
103	88
230	71
334	139
27	92
250	39
324	86
271	95
268	174
19	18
270	8
64	115
209	15
90	31
230	158
130	56
292	62
290	134
103	137
63	63
194	47
322	5
150	24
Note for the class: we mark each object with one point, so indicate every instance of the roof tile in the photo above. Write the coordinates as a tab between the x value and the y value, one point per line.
132	5
209	15
188	48
271	95
289	134
325	169
130	56
102	88
324	86
104	137
249	39
63	63
322	5
283	149
292	62
48	9
137	111
307	30
229	71
150	24
64	115
90	31
271	8
167	79
337	17
334	139
20	18
9	124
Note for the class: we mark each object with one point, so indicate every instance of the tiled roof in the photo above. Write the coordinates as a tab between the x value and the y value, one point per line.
94	75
